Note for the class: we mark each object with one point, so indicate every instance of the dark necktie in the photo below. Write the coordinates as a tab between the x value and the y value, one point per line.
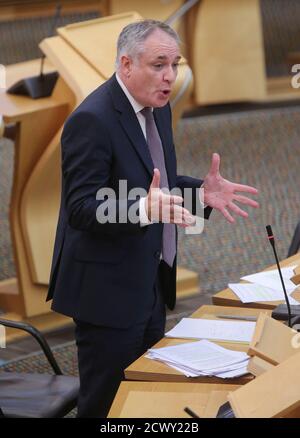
157	155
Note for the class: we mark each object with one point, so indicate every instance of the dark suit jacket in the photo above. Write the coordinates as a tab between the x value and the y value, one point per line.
104	274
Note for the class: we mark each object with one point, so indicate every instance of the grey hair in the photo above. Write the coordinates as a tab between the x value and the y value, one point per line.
133	35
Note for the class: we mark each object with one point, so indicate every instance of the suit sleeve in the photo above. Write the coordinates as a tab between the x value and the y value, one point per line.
87	159
190	189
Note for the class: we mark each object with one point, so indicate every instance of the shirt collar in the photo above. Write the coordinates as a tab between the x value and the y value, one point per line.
135	105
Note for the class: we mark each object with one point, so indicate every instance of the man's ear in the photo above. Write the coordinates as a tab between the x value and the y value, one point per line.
126	65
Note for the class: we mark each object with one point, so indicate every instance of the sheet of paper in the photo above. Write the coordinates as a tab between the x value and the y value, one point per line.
236	331
208	371
235	373
241	371
271	279
202	358
255	293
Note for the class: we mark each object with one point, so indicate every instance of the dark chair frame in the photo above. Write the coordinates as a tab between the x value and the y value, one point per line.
37	335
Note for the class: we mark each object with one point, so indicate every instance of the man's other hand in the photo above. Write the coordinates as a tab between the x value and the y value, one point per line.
221	194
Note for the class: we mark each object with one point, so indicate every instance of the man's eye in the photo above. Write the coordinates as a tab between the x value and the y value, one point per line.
158	65
175	65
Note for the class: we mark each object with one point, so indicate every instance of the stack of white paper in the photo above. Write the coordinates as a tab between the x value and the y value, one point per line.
202	358
236	331
271	279
265	286
255	293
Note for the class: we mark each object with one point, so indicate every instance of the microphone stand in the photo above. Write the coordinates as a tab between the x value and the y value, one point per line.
272	242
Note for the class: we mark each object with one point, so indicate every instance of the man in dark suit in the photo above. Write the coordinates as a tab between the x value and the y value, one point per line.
113	275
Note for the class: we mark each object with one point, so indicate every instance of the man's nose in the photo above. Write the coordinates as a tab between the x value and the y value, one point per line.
170	74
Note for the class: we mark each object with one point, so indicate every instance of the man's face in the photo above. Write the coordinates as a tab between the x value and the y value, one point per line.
150	77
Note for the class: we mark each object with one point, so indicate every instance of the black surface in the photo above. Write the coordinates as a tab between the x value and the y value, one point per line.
225	411
35	87
281	313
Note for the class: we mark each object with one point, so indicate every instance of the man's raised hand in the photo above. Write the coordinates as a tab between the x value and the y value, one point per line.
163	207
221	194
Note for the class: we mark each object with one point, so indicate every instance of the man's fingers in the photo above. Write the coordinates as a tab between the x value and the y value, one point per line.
154	187
182	216
189	219
246	201
169	200
155	180
227	215
174	200
244	188
215	164
237	210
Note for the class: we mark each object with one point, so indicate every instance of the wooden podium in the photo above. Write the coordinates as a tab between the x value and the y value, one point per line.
273	341
84	55
296	278
276	393
264	351
168	400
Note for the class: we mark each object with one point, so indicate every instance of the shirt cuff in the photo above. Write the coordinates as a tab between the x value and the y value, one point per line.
144	220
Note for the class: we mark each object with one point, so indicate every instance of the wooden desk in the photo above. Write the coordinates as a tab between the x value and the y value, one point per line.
228	298
168	400
151	370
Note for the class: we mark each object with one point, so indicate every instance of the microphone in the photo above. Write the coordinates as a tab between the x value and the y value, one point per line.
43	84
52	30
272	242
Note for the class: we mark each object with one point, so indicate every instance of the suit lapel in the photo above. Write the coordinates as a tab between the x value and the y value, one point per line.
133	130
130	124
